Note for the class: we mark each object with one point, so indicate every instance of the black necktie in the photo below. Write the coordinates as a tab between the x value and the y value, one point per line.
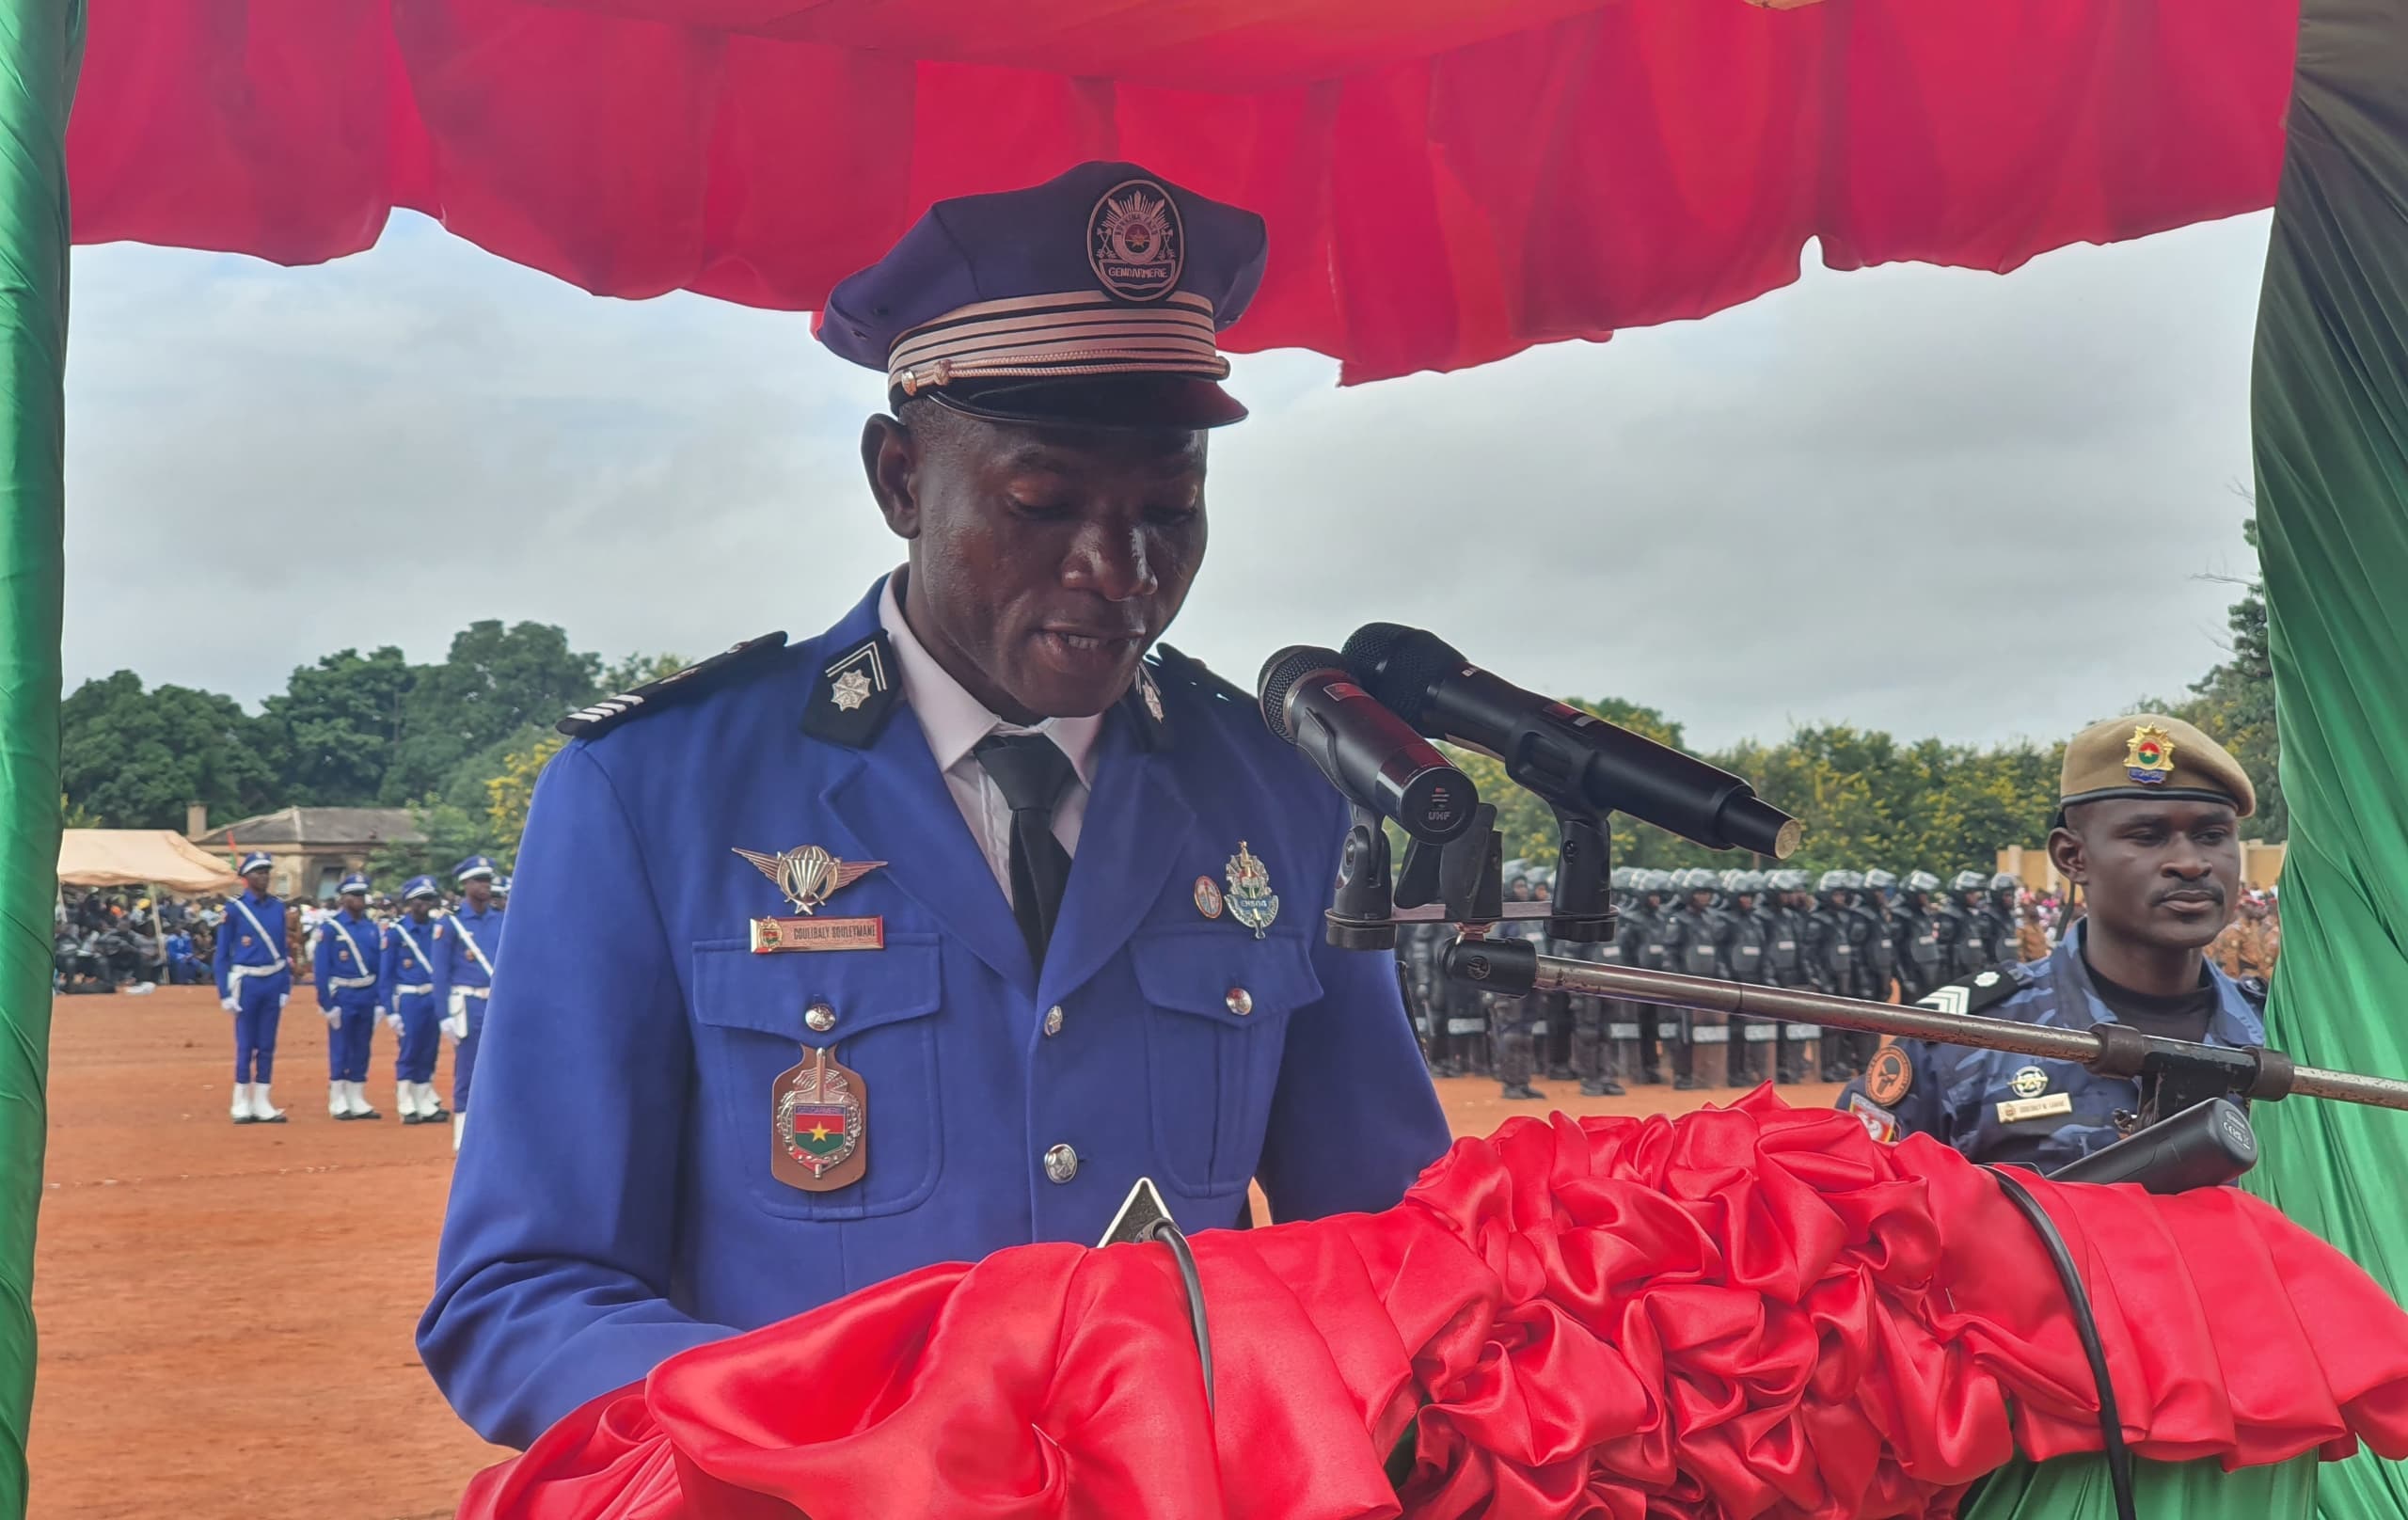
1032	772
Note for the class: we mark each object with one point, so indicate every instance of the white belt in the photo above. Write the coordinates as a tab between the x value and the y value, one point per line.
339	984
235	974
474	991
418	988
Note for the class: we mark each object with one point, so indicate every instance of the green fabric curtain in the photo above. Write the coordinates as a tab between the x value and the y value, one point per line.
40	44
2330	395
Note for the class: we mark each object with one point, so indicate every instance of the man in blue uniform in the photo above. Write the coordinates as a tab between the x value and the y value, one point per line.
347	965
2148	830
415	989
931	934
254	982
475	937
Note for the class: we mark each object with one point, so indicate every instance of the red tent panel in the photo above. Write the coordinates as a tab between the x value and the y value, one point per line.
1447	181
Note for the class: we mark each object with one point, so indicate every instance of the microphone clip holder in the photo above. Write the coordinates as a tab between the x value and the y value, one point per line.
1462	882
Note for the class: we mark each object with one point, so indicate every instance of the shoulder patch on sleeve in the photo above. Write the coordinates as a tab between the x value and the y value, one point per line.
677	686
1878	1122
1971	994
1890	1075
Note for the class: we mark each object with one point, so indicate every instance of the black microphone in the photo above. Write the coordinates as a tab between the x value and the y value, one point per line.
1367	752
1571	759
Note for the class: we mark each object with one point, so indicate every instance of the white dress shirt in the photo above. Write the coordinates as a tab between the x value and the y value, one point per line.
954	722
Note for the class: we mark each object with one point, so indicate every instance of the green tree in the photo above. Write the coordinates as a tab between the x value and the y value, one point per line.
334	725
2234	704
509	793
134	758
496	684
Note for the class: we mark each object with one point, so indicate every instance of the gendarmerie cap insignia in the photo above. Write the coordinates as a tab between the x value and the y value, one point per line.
1096	299
676	687
2151	755
854	694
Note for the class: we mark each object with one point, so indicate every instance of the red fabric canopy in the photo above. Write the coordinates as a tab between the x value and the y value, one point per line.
1447	181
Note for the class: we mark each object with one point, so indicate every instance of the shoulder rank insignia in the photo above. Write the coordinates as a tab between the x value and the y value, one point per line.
853	694
2149	758
1185	669
1973	993
677	685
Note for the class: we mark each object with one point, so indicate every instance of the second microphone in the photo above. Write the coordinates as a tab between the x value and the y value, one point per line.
1372	756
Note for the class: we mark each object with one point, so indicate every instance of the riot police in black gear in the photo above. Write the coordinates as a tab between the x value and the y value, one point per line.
1593	1057
1693	946
1746	951
1966	929
1915	926
1515	1022
1644	944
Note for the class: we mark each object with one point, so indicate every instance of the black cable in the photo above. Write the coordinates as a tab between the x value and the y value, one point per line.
2111	1419
1168	1233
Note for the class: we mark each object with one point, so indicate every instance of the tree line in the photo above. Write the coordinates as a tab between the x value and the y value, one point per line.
460	742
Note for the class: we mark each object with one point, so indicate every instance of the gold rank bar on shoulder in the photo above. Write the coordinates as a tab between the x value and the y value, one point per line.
775	936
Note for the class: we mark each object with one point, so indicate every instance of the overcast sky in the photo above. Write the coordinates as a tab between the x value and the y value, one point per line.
1927	500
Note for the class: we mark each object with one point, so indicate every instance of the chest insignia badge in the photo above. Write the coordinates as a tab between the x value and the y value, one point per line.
2031	1082
1208	897
821	1125
809	877
1250	899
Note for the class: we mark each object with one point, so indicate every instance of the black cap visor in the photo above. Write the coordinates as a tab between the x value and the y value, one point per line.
1111	401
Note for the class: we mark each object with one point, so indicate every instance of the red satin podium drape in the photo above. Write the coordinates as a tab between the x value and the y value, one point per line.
1750	1312
1446	182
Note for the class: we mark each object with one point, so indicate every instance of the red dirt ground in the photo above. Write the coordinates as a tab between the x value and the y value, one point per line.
226	1311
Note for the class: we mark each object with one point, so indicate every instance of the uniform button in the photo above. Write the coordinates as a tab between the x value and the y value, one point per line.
821	1017
1241	1002
1054	1021
1061	1163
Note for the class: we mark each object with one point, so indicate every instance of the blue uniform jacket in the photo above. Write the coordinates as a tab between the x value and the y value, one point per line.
243	955
342	978
619	1205
416	955
461	966
1956	1092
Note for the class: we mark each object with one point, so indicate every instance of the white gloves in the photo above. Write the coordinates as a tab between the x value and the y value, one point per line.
334	1016
282	1001
457	1025
393	1019
230	1004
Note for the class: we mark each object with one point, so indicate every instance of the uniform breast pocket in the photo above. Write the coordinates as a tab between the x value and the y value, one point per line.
1218	1005
759	1015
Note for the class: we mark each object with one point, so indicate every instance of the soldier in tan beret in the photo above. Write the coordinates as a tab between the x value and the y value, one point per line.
2148	828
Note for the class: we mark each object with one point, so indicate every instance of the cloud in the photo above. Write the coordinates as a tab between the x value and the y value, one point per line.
1928	500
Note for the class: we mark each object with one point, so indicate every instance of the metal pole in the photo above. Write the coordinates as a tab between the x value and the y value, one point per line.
1512	966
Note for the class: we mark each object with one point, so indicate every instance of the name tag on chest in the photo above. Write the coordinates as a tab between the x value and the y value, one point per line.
2016	1110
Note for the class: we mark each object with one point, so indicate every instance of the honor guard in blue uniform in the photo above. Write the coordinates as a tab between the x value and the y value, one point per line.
2148	830
254	982
933	933
416	987
475	939
347	965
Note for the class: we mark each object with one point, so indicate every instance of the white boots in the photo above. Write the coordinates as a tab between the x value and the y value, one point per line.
242	1109
419	1104
349	1100
262	1111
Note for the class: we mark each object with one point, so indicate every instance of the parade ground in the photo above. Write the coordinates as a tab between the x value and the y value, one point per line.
226	1311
